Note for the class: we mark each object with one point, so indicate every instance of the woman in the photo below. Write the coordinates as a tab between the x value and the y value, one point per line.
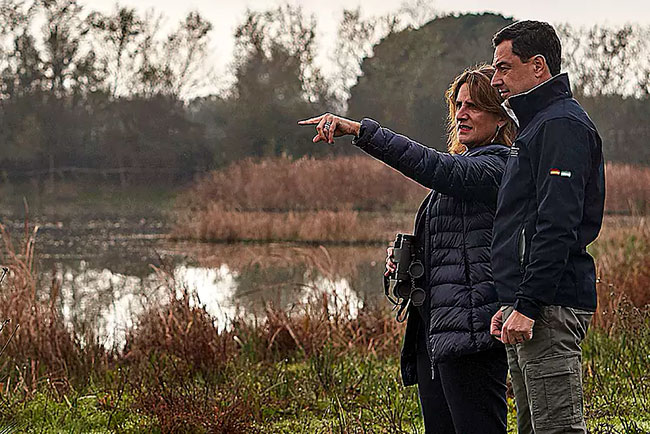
459	368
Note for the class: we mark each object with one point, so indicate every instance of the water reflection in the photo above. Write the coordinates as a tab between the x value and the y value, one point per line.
214	288
104	265
230	281
103	302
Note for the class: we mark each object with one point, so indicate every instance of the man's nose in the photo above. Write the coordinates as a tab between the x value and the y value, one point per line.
496	80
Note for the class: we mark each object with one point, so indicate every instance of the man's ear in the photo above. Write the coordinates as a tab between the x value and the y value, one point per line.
539	65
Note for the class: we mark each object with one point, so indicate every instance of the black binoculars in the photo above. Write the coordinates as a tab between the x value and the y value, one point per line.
408	268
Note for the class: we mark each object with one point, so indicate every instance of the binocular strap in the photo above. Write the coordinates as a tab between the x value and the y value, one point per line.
399	304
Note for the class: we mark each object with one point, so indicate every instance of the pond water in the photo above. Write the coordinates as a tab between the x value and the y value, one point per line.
112	269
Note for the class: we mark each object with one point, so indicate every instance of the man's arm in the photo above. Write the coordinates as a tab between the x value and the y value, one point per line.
561	159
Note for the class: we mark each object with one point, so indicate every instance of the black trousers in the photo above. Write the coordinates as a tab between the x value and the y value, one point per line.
467	395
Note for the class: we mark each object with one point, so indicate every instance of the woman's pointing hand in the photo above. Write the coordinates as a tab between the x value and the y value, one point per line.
329	126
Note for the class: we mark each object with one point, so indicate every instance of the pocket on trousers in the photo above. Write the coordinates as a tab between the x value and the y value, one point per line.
555	391
545	316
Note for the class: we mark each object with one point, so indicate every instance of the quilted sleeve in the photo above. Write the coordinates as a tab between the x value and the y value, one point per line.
475	176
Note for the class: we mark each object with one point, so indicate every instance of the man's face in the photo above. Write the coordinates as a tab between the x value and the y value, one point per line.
512	76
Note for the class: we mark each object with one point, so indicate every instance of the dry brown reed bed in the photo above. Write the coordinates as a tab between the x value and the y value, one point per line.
182	370
628	189
622	253
346	199
330	261
175	360
281	184
39	345
183	329
344	226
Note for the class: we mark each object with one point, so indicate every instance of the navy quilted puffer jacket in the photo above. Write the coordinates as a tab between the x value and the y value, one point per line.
454	230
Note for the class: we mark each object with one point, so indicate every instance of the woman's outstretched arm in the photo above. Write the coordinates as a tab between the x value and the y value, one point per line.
477	176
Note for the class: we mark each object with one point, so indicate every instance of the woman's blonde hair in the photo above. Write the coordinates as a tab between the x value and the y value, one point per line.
485	97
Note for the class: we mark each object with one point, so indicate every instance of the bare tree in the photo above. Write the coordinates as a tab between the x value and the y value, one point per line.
356	40
69	63
119	35
189	46
416	13
176	65
284	29
606	60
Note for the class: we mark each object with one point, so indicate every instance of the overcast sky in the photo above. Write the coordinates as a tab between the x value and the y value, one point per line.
225	15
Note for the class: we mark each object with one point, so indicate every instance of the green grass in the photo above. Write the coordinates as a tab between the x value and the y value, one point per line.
617	375
323	393
73	412
306	371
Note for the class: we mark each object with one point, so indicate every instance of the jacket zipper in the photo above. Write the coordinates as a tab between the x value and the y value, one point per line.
426	283
521	247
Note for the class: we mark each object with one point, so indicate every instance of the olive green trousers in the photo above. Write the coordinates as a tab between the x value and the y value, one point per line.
546	372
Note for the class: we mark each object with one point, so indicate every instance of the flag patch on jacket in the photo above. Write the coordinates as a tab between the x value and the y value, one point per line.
562	173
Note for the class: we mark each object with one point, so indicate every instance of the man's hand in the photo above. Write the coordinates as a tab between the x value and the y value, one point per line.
329	126
517	329
496	324
390	265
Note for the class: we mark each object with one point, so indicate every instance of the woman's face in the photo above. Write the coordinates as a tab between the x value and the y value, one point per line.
474	126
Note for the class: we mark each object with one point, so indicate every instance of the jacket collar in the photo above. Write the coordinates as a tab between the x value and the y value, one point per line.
482	148
525	106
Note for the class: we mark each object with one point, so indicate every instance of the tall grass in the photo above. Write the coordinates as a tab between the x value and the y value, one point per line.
628	189
344	226
39	345
177	369
310	368
346	199
622	254
281	184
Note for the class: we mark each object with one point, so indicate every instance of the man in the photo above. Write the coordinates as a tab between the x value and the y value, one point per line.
550	208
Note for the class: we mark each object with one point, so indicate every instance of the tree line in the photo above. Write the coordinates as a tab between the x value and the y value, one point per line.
85	93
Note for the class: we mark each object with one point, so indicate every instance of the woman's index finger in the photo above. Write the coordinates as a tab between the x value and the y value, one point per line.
310	121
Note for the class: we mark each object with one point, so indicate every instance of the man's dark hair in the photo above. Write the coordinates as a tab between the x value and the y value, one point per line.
530	38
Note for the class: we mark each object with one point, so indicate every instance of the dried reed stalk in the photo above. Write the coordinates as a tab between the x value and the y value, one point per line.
342	226
340	199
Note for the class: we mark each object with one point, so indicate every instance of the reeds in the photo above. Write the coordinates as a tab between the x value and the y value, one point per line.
191	376
38	345
312	367
346	199
281	184
344	226
628	189
622	253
